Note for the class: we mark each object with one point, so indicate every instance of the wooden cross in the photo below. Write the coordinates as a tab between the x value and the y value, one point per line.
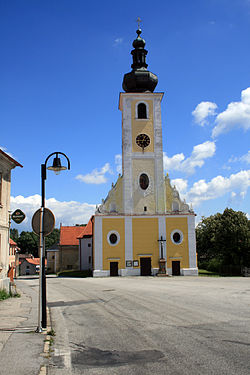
161	240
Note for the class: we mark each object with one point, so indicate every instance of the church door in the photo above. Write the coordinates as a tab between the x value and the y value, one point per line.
176	268
145	266
113	268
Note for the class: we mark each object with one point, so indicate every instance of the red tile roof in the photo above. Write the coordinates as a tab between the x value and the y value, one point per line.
88	230
35	261
69	235
10	159
13	243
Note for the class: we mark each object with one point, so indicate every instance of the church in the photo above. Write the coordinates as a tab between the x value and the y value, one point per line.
143	227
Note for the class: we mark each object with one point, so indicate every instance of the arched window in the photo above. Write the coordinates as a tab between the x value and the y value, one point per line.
141	110
175	206
144	181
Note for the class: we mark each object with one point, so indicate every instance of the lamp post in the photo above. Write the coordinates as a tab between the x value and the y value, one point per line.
57	167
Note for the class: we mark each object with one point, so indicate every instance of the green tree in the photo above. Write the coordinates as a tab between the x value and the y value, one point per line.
28	243
14	234
52	238
224	240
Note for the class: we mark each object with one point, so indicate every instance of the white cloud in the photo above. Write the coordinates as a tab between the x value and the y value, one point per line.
237	115
96	176
246	157
197	159
67	213
117	42
181	185
118	162
203	111
235	184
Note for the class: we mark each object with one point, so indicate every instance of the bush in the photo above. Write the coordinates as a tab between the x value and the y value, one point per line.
70	273
230	270
214	265
4	294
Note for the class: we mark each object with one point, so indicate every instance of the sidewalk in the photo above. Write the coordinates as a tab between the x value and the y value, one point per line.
20	346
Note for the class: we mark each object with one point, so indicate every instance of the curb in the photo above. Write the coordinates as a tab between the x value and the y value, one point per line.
47	343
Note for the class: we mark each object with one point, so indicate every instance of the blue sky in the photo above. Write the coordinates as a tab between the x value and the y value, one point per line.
61	72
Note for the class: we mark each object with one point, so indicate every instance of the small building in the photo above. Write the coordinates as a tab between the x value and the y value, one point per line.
7	163
86	247
12	253
30	266
13	260
69	247
53	259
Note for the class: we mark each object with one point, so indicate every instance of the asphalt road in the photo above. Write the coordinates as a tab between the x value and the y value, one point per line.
146	325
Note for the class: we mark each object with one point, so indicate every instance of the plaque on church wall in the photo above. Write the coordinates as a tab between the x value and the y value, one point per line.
129	263
135	263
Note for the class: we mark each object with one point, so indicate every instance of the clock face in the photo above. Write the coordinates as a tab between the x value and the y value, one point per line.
143	140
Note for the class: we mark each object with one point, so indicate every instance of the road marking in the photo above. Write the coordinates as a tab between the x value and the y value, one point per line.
66	354
61	329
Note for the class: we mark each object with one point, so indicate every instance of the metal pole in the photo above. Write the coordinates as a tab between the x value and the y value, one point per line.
39	326
42	308
42	314
42	258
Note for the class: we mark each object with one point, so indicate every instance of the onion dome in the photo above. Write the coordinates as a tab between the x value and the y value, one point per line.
139	79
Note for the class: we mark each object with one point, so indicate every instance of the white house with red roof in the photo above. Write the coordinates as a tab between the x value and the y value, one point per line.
86	247
7	163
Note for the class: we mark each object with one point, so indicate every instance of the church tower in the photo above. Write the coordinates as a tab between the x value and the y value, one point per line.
143	227
143	186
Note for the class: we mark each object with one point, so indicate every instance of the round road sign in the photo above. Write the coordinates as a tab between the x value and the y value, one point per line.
48	220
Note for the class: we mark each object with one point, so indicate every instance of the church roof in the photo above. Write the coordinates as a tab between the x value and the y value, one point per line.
139	79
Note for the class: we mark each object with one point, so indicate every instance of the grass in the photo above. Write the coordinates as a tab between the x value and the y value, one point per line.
70	273
51	332
4	295
208	273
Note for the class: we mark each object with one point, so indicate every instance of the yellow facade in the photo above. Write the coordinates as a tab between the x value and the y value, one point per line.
142	126
148	200
180	251
145	236
113	253
114	200
169	194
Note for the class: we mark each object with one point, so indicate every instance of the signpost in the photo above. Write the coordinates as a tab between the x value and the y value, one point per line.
43	222
18	216
48	221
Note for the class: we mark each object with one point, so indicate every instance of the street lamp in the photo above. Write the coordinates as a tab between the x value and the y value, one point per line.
57	168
